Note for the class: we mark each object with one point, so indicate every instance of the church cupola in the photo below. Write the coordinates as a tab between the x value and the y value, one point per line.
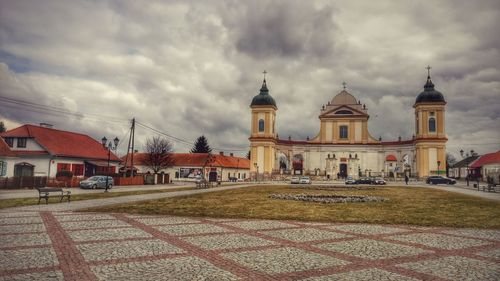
429	94
263	98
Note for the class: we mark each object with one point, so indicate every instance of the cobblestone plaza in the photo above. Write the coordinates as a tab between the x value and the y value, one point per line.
50	245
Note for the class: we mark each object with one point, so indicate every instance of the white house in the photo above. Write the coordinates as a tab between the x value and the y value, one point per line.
186	166
43	151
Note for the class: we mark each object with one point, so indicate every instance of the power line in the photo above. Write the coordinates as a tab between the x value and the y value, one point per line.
58	111
183	141
51	110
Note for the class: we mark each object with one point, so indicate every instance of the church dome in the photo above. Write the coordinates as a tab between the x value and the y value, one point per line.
344	98
429	94
263	98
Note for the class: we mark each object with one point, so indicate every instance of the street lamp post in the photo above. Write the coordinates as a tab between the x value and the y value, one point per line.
256	172
109	146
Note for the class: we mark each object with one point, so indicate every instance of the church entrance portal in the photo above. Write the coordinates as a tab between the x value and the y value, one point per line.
343	170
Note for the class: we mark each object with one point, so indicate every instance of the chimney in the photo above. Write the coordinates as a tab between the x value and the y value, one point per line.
46	125
221	153
231	154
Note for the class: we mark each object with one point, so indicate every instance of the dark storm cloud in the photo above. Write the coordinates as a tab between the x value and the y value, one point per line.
269	29
190	68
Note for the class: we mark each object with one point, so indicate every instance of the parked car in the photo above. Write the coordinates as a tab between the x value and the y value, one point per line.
305	180
350	180
380	181
97	182
295	180
364	181
440	179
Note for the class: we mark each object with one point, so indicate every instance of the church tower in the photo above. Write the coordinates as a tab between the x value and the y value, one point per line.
430	136
263	132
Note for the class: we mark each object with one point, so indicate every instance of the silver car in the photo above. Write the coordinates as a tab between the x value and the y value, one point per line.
97	182
295	180
305	180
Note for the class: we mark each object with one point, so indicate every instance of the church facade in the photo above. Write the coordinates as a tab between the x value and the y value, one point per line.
344	146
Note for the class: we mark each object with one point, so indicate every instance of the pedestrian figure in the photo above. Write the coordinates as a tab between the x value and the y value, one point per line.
338	176
406	179
467	179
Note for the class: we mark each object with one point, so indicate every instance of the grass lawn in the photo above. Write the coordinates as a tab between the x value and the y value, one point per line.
406	205
7	203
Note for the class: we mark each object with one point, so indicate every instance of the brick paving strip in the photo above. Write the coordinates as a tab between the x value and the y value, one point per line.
76	246
71	261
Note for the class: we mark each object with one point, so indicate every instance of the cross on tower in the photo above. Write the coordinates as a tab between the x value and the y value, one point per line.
428	70
344	84
265	72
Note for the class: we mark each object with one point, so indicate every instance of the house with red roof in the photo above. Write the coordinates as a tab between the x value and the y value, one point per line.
33	150
187	166
487	165
6	158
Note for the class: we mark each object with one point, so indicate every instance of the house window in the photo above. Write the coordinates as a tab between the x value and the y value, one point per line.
63	167
244	175
343	132
9	141
261	125
21	142
3	168
432	124
77	169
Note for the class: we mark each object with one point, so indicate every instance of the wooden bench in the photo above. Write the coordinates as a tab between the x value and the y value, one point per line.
46	192
489	187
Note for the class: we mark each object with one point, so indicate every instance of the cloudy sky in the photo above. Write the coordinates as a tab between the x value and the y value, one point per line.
188	68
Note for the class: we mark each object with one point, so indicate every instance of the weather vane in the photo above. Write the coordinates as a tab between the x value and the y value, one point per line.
344	84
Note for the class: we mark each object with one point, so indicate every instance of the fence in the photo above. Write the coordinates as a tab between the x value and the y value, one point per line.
32	182
22	182
138	180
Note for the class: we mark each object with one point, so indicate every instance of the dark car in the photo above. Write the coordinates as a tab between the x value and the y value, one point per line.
364	181
440	179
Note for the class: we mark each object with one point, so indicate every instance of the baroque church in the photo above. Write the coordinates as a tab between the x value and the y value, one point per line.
344	146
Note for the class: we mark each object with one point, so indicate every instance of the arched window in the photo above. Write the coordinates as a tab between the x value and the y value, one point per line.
261	125
432	124
343	132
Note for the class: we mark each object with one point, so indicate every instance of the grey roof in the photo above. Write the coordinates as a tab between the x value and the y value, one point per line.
465	162
263	98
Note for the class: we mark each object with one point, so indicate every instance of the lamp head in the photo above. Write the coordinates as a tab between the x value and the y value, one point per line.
103	141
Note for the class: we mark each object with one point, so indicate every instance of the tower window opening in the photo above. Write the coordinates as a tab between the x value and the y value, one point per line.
432	124
261	125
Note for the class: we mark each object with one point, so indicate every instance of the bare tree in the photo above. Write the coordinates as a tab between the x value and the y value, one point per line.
159	152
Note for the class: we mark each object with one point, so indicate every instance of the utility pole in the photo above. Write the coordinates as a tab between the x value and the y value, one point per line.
132	133
130	140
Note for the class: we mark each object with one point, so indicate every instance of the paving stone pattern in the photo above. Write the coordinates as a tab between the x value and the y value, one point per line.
53	245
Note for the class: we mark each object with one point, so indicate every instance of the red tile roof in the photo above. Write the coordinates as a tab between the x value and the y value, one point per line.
5	149
63	143
489	158
196	160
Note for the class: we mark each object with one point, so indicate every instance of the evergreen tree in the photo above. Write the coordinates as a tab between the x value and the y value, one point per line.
201	146
2	127
248	155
